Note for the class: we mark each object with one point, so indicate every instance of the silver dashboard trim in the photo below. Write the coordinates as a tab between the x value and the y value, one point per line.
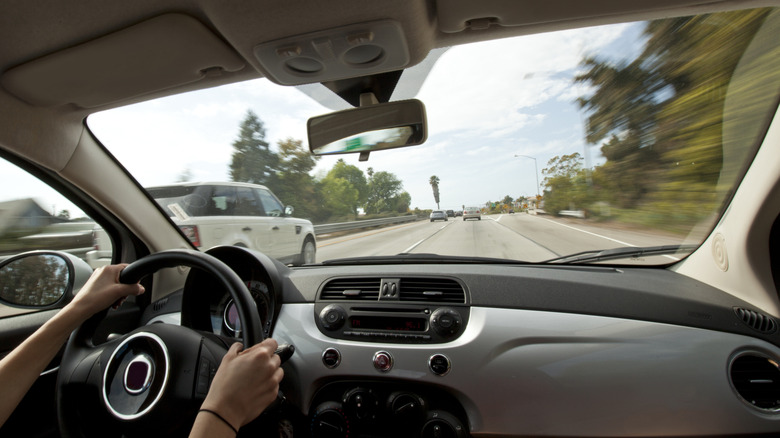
653	378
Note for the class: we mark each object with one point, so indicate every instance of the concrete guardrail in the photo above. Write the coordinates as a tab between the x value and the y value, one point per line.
356	225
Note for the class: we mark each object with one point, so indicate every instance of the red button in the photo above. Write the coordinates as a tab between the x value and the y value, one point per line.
383	361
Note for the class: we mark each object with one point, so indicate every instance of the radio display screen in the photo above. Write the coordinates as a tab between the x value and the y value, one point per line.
394	323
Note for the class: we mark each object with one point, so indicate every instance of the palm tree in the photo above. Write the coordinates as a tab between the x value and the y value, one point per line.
434	182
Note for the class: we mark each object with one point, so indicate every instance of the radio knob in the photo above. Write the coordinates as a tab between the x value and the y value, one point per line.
446	322
440	424
332	317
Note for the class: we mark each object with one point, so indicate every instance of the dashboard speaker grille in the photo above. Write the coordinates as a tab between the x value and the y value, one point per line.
351	289
757	321
757	380
439	290
158	305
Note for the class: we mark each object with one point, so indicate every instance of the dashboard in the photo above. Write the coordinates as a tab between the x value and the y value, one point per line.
457	350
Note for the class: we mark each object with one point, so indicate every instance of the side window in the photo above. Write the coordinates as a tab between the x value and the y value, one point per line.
223	201
247	204
271	205
33	216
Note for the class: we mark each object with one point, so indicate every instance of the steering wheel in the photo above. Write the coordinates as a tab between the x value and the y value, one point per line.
136	384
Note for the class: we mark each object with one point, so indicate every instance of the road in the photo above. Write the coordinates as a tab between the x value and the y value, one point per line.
510	236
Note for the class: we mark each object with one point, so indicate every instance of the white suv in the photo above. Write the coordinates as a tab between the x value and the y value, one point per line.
240	214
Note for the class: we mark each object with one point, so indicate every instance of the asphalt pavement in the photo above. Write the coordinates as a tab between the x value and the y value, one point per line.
511	236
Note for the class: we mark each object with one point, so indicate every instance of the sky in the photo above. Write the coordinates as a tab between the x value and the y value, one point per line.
497	112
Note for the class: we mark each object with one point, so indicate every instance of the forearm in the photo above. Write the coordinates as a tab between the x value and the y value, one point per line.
20	368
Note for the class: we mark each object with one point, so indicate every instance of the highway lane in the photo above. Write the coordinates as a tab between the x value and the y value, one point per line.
383	241
516	236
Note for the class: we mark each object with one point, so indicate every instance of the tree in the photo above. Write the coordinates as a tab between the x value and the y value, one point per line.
383	191
402	202
354	176
624	108
339	195
565	183
293	184
434	182
660	116
253	161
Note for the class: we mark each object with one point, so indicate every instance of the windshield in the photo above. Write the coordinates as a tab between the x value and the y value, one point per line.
539	147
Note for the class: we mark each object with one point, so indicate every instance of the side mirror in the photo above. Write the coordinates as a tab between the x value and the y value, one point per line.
368	128
288	211
41	279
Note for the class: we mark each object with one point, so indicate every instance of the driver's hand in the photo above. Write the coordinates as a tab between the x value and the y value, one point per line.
102	290
246	382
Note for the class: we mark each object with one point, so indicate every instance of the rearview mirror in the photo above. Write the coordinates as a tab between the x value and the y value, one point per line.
368	128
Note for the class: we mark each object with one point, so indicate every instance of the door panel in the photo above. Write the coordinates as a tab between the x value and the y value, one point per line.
283	230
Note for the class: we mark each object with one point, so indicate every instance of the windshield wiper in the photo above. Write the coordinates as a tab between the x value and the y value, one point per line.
423	258
621	253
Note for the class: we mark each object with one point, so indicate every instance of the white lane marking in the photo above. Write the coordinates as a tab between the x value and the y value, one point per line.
499	218
413	246
603	237
424	239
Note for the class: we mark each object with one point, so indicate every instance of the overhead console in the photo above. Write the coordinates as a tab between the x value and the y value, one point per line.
419	310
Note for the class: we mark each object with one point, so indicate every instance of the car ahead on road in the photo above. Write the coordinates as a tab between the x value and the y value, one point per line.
450	213
472	213
437	215
655	316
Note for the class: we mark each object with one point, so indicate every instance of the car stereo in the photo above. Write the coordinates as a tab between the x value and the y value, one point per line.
397	323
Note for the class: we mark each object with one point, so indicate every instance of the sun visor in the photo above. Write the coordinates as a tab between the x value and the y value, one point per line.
161	53
459	15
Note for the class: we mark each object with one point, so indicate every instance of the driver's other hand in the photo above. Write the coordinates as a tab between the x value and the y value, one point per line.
103	289
246	382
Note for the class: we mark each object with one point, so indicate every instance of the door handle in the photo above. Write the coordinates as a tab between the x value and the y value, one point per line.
246	229
275	228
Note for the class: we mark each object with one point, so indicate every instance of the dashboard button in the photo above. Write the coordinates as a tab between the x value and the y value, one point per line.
383	361
331	358
332	317
439	364
446	322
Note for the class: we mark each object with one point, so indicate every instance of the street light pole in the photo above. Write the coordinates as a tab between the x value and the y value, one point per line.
536	171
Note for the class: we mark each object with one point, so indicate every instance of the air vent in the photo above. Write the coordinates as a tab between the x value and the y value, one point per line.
756	321
351	289
439	290
756	379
